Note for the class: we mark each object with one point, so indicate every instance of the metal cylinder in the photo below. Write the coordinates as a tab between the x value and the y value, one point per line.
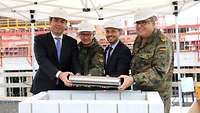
96	81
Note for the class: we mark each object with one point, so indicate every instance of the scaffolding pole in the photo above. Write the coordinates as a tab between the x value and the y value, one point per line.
178	63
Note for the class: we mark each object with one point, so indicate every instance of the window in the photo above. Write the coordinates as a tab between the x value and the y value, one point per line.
175	91
182	46
186	45
175	77
16	79
16	91
15	52
198	77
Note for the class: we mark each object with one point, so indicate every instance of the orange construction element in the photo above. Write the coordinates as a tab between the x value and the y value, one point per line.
197	89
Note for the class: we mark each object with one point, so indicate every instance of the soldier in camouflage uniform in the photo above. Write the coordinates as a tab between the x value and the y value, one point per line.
90	52
152	63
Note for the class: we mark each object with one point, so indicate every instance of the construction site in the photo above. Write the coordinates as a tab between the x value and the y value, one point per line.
16	52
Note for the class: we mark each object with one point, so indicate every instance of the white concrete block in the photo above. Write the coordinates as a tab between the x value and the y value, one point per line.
132	95
155	103
136	106
106	106
84	102
26	105
108	95
59	95
74	106
41	96
45	106
83	95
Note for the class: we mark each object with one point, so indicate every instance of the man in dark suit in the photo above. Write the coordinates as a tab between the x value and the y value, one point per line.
117	55
56	55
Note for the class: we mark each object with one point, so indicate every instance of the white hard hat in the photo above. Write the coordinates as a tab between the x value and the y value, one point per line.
59	13
86	26
143	14
114	23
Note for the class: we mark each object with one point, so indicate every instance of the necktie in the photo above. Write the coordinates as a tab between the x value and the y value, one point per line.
108	54
58	47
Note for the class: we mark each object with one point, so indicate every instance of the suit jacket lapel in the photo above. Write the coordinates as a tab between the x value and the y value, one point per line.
115	51
63	47
52	46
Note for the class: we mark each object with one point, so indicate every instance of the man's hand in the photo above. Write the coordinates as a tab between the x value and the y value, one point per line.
64	77
128	80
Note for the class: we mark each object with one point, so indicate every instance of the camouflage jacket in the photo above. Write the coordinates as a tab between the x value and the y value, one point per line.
152	63
91	59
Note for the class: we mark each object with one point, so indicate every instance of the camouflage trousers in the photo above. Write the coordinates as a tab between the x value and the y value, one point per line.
167	103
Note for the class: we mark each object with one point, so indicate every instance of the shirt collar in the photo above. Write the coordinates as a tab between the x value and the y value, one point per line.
54	36
114	45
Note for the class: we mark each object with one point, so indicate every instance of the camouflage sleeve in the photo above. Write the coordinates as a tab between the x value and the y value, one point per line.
160	66
163	58
97	62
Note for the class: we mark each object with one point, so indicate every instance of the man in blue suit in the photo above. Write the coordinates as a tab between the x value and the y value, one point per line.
117	55
56	55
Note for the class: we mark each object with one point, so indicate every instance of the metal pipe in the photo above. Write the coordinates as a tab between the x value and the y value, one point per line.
96	81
